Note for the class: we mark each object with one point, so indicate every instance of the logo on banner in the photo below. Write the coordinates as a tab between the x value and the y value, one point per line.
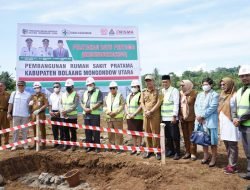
104	31
25	31
111	32
124	32
65	32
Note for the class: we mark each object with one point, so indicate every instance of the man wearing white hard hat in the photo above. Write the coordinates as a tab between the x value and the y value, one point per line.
69	112
114	112
134	113
242	115
91	103
38	104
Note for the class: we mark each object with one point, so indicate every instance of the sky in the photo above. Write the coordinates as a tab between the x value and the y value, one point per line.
174	35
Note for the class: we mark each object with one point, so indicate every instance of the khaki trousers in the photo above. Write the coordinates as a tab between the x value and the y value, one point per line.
152	125
187	129
114	138
4	124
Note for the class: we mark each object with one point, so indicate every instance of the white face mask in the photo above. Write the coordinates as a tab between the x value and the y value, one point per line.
56	90
206	88
37	90
134	90
90	88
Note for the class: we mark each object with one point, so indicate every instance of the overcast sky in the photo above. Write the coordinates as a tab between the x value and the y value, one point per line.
174	35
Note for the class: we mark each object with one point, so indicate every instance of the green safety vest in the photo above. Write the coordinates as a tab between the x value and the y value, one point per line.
167	106
68	101
133	105
114	106
243	104
93	101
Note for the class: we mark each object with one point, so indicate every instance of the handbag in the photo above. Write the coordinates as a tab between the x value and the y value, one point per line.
200	137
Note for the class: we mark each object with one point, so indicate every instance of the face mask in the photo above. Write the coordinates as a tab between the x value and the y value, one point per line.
56	90
90	88
37	90
134	90
206	88
68	88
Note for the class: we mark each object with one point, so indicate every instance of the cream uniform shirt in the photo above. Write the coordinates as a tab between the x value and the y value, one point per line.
25	51
45	52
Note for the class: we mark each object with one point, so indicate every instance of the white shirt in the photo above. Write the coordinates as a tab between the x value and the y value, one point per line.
20	103
42	52
175	98
228	131
55	101
25	51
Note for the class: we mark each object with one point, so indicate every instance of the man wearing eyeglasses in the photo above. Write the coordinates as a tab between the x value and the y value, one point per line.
37	105
18	111
4	122
92	107
114	110
54	111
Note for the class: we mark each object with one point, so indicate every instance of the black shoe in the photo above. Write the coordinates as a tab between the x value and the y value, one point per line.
158	156
133	152
73	148
244	176
97	150
169	153
187	156
65	148
56	145
176	157
119	151
147	155
88	149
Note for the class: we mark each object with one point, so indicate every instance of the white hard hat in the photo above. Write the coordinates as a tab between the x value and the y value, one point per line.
37	84
113	84
135	83
90	80
69	82
244	70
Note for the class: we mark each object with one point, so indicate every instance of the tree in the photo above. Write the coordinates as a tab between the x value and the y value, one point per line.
8	80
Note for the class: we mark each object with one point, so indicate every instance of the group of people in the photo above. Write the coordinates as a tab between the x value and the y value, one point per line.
227	112
45	50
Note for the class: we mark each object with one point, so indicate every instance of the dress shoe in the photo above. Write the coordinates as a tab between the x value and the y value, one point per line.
133	152
205	161
169	153
193	157
88	149
73	148
244	176
65	148
147	155
158	156
186	156
176	157
119	151
97	150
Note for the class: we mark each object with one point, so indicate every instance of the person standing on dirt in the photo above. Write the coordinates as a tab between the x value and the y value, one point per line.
91	103
151	99
18	111
4	124
37	106
54	111
228	132
70	100
187	117
242	115
114	113
206	106
169	114
134	113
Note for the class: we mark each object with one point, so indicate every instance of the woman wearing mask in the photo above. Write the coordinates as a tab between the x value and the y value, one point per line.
187	117
206	106
134	113
229	133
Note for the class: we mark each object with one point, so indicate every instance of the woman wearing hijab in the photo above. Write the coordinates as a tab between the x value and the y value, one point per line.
206	106
187	117
229	133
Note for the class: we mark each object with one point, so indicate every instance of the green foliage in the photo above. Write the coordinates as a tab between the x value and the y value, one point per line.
197	76
8	80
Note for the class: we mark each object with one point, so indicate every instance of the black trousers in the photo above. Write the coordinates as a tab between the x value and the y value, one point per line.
172	135
70	132
57	130
245	131
91	135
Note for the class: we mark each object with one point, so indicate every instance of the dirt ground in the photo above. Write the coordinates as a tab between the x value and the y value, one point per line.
109	170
